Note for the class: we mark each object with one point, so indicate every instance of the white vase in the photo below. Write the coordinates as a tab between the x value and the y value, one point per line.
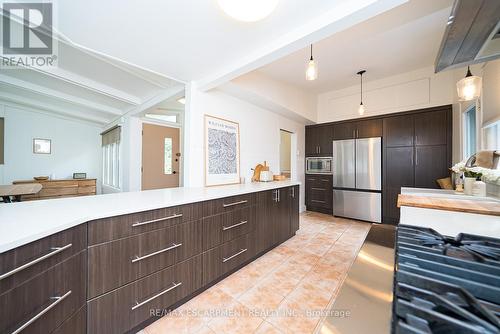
468	182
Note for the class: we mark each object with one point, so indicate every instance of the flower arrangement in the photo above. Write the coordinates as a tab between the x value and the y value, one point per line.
487	175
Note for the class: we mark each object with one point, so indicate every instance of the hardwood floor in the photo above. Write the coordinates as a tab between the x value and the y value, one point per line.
277	292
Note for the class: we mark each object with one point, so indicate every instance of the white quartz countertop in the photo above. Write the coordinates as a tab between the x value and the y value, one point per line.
24	222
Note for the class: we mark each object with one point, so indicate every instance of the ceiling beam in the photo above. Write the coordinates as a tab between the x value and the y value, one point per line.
71	99
170	93
37	106
132	69
88	84
341	17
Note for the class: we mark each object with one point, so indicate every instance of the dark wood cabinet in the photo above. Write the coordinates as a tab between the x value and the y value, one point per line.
228	256
398	131
294	193
227	226
39	256
344	130
123	309
369	128
319	140
431	128
117	263
57	292
319	193
398	172
107	275
431	163
112	228
417	152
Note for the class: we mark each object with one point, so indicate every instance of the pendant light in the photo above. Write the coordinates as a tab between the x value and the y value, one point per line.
469	88
361	109
312	68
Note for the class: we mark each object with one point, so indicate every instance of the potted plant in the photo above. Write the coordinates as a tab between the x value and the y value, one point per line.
470	177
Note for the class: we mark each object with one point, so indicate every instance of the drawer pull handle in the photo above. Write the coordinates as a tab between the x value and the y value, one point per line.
139	258
315	200
225	228
234	255
235	203
137	304
55	250
313	188
177	215
57	300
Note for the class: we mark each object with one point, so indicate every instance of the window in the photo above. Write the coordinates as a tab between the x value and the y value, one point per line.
168	156
111	157
492	136
470	135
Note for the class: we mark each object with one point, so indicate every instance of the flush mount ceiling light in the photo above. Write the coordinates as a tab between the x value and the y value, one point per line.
248	10
312	68
361	109
469	88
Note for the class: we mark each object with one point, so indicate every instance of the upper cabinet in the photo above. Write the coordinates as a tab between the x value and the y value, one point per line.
398	131
345	130
360	129
319	140
431	128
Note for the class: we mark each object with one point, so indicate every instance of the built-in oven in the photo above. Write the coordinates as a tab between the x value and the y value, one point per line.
319	165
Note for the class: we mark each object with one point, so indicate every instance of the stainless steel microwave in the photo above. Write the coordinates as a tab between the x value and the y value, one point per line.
319	165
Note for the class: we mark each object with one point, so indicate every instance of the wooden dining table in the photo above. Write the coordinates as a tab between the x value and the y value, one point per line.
13	192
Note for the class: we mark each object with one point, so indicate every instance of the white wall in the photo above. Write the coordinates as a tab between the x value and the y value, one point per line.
491	92
289	100
76	146
412	90
259	135
407	91
285	151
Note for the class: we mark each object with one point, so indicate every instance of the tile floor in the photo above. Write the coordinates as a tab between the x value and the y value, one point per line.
281	292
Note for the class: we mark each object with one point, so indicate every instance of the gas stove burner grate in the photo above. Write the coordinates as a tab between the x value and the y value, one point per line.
444	284
466	246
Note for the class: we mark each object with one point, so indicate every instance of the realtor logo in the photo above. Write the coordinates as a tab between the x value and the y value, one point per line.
27	35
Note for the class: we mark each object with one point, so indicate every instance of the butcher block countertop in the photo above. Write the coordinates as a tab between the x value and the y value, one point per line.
483	207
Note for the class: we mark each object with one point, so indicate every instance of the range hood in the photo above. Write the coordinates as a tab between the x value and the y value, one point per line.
472	34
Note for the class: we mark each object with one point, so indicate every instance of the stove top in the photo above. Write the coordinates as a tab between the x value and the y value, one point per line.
444	284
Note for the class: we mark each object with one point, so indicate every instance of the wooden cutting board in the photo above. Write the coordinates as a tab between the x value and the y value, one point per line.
458	205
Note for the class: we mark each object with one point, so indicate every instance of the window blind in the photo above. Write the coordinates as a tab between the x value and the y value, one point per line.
111	136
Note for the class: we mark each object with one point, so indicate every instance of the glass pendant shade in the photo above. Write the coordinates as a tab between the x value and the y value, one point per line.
469	88
311	70
361	109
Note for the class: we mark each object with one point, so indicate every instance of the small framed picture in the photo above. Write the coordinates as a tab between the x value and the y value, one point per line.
41	146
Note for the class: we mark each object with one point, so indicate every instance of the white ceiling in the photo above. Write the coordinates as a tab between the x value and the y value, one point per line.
86	86
400	40
191	40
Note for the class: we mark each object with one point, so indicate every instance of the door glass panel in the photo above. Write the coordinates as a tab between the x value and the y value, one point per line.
168	156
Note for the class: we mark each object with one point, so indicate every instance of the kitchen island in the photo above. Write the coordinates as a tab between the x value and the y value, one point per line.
102	264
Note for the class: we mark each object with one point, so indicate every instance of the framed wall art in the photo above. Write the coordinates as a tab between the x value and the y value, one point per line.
41	146
222	151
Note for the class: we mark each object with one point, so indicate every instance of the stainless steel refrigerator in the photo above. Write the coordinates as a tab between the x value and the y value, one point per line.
357	179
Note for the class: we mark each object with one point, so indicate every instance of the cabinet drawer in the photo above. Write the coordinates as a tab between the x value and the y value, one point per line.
22	263
43	303
129	306
227	204
222	259
76	324
107	229
227	226
116	263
